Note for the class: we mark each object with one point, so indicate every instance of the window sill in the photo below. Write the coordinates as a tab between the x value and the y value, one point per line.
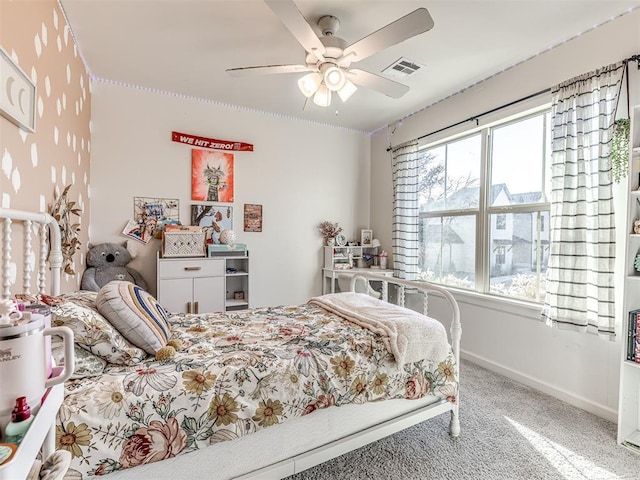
529	310
501	304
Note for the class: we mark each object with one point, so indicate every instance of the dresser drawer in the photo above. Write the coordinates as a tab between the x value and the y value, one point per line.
193	267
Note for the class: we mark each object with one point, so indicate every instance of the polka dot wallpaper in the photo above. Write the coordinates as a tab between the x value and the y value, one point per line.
36	167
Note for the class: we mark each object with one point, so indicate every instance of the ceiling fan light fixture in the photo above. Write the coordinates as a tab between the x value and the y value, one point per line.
322	97
309	84
334	78
329	57
347	90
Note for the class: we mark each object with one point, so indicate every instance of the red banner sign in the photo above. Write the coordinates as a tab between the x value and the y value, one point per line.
195	141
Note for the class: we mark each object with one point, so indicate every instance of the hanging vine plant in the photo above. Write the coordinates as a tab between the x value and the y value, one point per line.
620	149
61	210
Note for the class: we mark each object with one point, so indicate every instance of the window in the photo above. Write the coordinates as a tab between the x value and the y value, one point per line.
483	209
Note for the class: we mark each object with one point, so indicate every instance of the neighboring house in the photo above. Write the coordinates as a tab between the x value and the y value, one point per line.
450	245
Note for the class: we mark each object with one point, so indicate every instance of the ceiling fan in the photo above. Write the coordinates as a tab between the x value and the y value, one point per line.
329	58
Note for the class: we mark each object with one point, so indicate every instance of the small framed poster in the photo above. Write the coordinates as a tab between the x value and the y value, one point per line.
366	237
214	218
252	217
17	94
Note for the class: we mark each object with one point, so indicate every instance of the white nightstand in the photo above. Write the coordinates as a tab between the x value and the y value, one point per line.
40	436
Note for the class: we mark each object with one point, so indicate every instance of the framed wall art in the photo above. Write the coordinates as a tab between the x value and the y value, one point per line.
211	176
213	218
17	94
366	236
252	217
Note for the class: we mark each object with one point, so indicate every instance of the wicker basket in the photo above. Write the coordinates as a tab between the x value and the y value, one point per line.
187	241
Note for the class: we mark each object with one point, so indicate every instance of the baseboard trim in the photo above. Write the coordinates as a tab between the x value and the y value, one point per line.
564	395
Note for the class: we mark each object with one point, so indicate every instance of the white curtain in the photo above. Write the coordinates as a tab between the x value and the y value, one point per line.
405	210
580	284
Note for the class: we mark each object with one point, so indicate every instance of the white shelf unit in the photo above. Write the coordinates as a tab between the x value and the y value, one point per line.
236	282
336	257
40	436
629	403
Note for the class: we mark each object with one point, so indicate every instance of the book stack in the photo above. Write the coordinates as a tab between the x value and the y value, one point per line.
633	336
227	250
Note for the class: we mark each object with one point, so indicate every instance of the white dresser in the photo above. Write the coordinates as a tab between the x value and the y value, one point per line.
200	285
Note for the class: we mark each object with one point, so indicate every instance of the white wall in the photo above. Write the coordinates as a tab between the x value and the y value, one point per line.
302	173
580	368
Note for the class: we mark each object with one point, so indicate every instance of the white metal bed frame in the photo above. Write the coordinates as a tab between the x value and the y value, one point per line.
46	225
42	434
192	464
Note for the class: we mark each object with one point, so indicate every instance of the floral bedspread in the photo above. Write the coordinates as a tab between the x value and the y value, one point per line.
237	373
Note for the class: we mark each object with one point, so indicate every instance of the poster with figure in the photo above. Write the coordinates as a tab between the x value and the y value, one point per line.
213	219
211	176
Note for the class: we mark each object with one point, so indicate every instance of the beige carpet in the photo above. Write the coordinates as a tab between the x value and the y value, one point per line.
509	431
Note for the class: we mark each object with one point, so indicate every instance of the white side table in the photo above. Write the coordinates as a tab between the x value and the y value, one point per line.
41	435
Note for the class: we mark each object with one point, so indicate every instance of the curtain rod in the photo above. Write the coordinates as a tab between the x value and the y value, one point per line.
634	58
476	117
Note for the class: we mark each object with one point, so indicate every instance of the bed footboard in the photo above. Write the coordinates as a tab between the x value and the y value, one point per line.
426	288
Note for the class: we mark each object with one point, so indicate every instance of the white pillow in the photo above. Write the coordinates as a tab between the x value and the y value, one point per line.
135	313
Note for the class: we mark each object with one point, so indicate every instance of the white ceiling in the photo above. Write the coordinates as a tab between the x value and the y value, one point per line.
185	46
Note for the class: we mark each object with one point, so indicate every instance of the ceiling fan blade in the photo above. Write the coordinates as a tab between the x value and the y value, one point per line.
412	24
376	82
291	17
268	69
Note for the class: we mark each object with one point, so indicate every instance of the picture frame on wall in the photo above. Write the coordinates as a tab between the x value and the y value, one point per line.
212	176
17	94
366	237
213	218
252	217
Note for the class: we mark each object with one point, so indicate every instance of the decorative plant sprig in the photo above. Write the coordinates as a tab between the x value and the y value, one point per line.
329	229
620	149
61	210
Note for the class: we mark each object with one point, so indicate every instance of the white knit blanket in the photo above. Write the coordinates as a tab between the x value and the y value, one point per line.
408	335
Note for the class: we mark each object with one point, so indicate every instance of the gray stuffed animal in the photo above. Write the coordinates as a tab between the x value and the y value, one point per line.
107	262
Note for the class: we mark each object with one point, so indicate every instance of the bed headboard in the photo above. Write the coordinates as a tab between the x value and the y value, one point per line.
46	245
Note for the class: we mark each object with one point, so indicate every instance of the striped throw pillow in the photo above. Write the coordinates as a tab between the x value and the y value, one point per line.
135	314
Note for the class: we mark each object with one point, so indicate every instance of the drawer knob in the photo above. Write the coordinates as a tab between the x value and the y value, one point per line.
190	269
